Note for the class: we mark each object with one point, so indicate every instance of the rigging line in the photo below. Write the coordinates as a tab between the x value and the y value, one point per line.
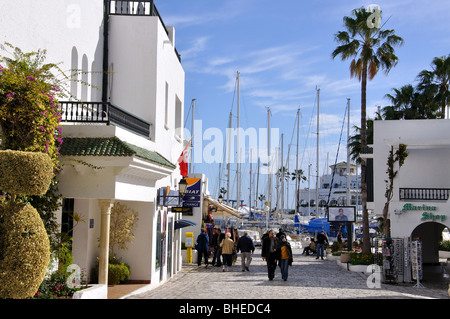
290	144
309	131
190	107
337	154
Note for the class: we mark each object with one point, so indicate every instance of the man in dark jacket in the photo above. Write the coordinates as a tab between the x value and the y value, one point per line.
202	248
320	244
268	253
217	239
247	247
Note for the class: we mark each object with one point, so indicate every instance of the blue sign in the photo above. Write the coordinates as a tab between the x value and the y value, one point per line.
168	199
192	194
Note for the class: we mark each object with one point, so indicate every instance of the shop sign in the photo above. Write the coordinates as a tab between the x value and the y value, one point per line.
432	217
191	197
409	206
426	212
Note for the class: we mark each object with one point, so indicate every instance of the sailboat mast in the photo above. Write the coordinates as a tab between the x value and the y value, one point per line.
317	158
191	167
228	160
348	153
238	186
282	174
269	176
296	166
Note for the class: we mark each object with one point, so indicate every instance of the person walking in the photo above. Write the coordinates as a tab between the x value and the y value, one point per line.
247	247
320	244
284	256
202	248
217	239
227	246
268	253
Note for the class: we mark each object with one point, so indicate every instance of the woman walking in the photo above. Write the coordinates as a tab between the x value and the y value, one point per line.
227	245
284	255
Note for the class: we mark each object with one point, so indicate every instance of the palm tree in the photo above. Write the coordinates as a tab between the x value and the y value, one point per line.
370	50
408	102
438	79
298	174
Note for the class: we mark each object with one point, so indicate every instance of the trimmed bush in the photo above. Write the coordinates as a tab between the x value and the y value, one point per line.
24	250
25	173
117	273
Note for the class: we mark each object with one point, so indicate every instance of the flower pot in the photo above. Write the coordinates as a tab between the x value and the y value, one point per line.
345	258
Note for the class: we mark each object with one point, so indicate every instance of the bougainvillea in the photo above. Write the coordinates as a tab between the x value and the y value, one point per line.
29	112
30	118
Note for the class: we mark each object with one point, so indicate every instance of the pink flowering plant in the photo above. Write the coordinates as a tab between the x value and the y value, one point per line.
29	113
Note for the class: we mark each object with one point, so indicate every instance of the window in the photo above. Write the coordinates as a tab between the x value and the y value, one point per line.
166	111
178	118
67	216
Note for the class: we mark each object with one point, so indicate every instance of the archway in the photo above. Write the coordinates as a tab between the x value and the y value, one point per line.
430	234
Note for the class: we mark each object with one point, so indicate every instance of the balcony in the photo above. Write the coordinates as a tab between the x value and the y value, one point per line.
424	193
99	112
137	8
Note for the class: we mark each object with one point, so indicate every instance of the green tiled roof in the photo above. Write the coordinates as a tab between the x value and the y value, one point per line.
109	146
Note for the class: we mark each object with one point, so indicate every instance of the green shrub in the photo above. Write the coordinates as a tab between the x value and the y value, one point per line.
25	173
444	245
24	250
363	259
336	247
117	273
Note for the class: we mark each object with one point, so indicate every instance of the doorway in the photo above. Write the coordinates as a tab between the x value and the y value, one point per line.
430	234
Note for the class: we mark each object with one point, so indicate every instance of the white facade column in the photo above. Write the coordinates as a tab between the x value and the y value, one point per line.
105	210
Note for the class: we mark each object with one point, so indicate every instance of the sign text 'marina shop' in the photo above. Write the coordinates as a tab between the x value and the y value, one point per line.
427	212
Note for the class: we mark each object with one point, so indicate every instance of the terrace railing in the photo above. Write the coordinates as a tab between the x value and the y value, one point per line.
107	113
424	193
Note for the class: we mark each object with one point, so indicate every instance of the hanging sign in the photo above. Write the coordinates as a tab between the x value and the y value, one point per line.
192	194
168	197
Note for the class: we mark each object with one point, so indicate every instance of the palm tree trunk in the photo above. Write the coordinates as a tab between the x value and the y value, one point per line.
365	214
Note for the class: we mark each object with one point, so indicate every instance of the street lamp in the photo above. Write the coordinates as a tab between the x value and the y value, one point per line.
182	185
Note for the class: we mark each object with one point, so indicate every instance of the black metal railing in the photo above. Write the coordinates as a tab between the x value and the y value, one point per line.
424	193
99	112
137	8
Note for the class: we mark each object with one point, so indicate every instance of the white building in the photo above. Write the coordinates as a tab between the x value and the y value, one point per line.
420	206
336	180
121	142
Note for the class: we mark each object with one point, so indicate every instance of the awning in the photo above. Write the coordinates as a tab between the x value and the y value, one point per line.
183	223
222	209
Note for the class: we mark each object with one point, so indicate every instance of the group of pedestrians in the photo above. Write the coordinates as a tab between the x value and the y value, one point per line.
224	248
275	251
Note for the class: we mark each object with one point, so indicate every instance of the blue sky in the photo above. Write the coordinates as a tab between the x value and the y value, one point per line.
282	50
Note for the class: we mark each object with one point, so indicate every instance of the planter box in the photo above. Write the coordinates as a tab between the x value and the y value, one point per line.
444	254
93	292
345	258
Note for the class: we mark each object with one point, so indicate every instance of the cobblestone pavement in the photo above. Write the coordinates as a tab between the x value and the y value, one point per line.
308	279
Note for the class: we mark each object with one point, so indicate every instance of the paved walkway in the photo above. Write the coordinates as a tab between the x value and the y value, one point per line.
308	279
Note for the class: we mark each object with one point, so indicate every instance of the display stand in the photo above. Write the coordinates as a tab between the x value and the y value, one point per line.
389	271
416	260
